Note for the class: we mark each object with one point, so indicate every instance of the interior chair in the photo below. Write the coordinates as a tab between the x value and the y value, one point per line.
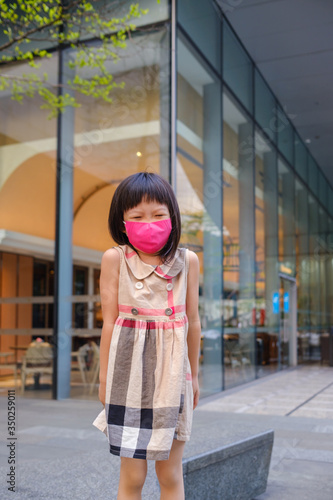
37	360
80	357
7	362
94	366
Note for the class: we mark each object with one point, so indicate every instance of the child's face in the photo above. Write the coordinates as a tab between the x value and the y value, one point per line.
147	212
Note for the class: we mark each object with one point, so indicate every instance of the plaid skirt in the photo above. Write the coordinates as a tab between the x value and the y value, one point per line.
149	395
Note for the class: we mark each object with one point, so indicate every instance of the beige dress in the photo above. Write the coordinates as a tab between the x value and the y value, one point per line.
149	395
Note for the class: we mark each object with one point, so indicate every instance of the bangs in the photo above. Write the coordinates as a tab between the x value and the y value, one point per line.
144	188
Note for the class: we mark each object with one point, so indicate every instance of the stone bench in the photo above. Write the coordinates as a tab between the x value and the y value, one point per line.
237	470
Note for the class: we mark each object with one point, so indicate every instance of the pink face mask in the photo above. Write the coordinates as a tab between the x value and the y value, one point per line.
149	237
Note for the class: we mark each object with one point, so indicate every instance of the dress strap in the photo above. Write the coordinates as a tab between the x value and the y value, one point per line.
121	256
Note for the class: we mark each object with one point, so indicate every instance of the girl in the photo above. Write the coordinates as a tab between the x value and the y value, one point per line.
149	348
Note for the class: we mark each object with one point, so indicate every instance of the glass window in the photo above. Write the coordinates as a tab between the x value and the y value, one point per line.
322	254
285	136
201	21
199	192
313	175
287	243
267	280
27	211
330	200
237	68
265	106
323	188
157	11
302	266
314	268
287	254
238	245
300	158
80	285
43	285
329	271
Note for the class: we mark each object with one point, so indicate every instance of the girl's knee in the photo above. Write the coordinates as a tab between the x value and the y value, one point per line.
133	472
169	475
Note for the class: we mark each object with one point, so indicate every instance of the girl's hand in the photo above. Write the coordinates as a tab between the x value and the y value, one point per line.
196	391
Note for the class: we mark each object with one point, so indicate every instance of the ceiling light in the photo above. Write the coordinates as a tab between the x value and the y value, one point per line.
138	153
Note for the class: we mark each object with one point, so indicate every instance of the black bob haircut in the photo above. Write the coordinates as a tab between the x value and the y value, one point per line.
131	191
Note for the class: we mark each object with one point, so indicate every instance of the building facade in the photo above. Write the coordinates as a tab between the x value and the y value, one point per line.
255	205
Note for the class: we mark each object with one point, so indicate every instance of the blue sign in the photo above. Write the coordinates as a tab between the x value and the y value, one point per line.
286	302
276	305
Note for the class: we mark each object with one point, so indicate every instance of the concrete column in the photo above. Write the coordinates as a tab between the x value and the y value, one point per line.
63	245
246	215
288	220
212	192
314	275
212	223
246	242
165	122
303	256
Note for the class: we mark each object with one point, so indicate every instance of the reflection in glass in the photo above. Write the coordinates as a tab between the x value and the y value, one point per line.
313	179
80	276
302	264
287	244
322	254
285	136
267	284
329	271
287	252
323	188
199	192
314	273
237	68
201	21
43	285
238	246
265	106
330	200
27	211
300	158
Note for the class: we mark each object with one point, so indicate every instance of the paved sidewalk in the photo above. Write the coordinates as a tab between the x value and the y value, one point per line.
60	455
298	405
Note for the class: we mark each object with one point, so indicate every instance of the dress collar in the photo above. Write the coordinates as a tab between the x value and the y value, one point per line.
141	269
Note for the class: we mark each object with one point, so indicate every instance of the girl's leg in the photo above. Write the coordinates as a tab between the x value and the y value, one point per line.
133	473
170	473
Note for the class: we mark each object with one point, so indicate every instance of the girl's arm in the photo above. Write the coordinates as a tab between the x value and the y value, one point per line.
194	327
109	280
